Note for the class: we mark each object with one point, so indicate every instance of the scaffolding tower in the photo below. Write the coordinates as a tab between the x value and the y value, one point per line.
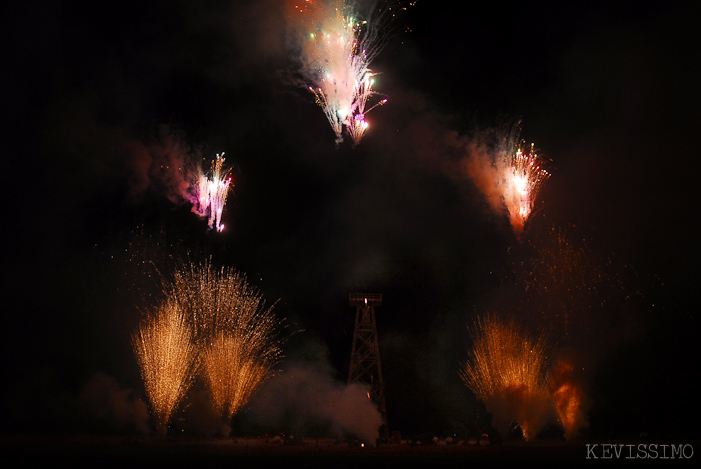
365	367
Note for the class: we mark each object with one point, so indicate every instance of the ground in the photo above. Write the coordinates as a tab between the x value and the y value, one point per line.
182	452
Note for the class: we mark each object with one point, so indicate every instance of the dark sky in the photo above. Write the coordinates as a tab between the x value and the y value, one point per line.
95	97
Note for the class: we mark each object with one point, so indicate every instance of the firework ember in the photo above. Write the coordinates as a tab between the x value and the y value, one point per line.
570	286
507	370
336	50
167	357
212	192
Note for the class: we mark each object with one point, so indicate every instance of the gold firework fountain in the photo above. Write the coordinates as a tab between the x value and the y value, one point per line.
232	373
236	332
212	324
167	356
507	371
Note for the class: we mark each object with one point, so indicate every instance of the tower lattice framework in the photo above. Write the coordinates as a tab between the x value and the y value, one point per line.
365	367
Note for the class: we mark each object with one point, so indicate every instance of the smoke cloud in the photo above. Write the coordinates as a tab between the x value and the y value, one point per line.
200	417
107	401
508	176
306	400
568	392
486	173
167	164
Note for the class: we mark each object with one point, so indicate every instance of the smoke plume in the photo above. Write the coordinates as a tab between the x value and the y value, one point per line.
568	394
166	164
107	401
306	400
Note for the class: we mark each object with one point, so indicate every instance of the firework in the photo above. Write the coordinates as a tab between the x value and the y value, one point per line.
167	357
507	370
568	398
214	299
235	330
576	290
337	49
212	192
509	176
522	186
233	368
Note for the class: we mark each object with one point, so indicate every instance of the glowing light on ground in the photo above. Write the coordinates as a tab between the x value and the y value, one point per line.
568	397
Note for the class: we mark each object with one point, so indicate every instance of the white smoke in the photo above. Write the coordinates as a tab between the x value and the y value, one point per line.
306	395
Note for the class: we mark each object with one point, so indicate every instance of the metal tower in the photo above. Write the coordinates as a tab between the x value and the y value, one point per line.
365	355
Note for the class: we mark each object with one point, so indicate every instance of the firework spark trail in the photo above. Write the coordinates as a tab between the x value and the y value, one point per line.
237	333
336	51
168	360
215	299
212	193
503	356
507	371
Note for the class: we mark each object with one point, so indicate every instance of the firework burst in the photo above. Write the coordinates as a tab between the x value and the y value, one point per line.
168	358
336	51
507	370
212	192
509	176
522	186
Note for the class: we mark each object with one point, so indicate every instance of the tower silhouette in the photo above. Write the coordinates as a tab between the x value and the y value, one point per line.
365	367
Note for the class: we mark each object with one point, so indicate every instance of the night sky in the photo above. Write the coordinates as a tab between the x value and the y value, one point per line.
96	97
